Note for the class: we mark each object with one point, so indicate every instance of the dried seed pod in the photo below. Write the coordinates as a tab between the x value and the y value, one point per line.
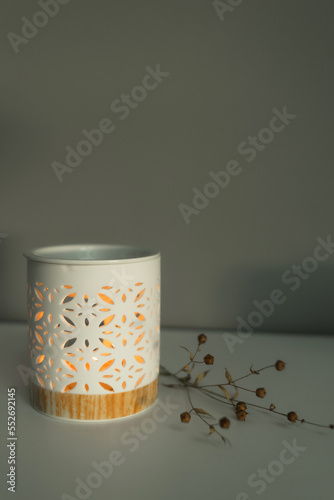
241	406
224	423
260	392
292	416
201	338
241	414
208	359
185	417
279	365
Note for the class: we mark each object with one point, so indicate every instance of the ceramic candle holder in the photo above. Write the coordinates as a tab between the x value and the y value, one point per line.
94	330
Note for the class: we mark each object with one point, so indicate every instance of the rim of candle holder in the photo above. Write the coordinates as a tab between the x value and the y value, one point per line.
91	254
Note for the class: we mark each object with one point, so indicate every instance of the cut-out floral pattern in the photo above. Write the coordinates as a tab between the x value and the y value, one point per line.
91	342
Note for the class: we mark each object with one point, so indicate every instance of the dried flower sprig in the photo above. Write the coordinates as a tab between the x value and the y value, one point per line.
189	382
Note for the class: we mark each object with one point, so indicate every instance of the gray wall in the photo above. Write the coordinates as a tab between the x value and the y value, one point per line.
225	78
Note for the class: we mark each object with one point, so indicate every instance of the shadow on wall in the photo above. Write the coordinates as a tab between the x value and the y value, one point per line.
4	268
273	300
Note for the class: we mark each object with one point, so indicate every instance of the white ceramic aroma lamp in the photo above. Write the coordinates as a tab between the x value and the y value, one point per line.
94	330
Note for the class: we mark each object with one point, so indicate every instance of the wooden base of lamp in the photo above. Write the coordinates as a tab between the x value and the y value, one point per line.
84	407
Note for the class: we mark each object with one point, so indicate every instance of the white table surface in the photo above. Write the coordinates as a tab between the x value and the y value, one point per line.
179	461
